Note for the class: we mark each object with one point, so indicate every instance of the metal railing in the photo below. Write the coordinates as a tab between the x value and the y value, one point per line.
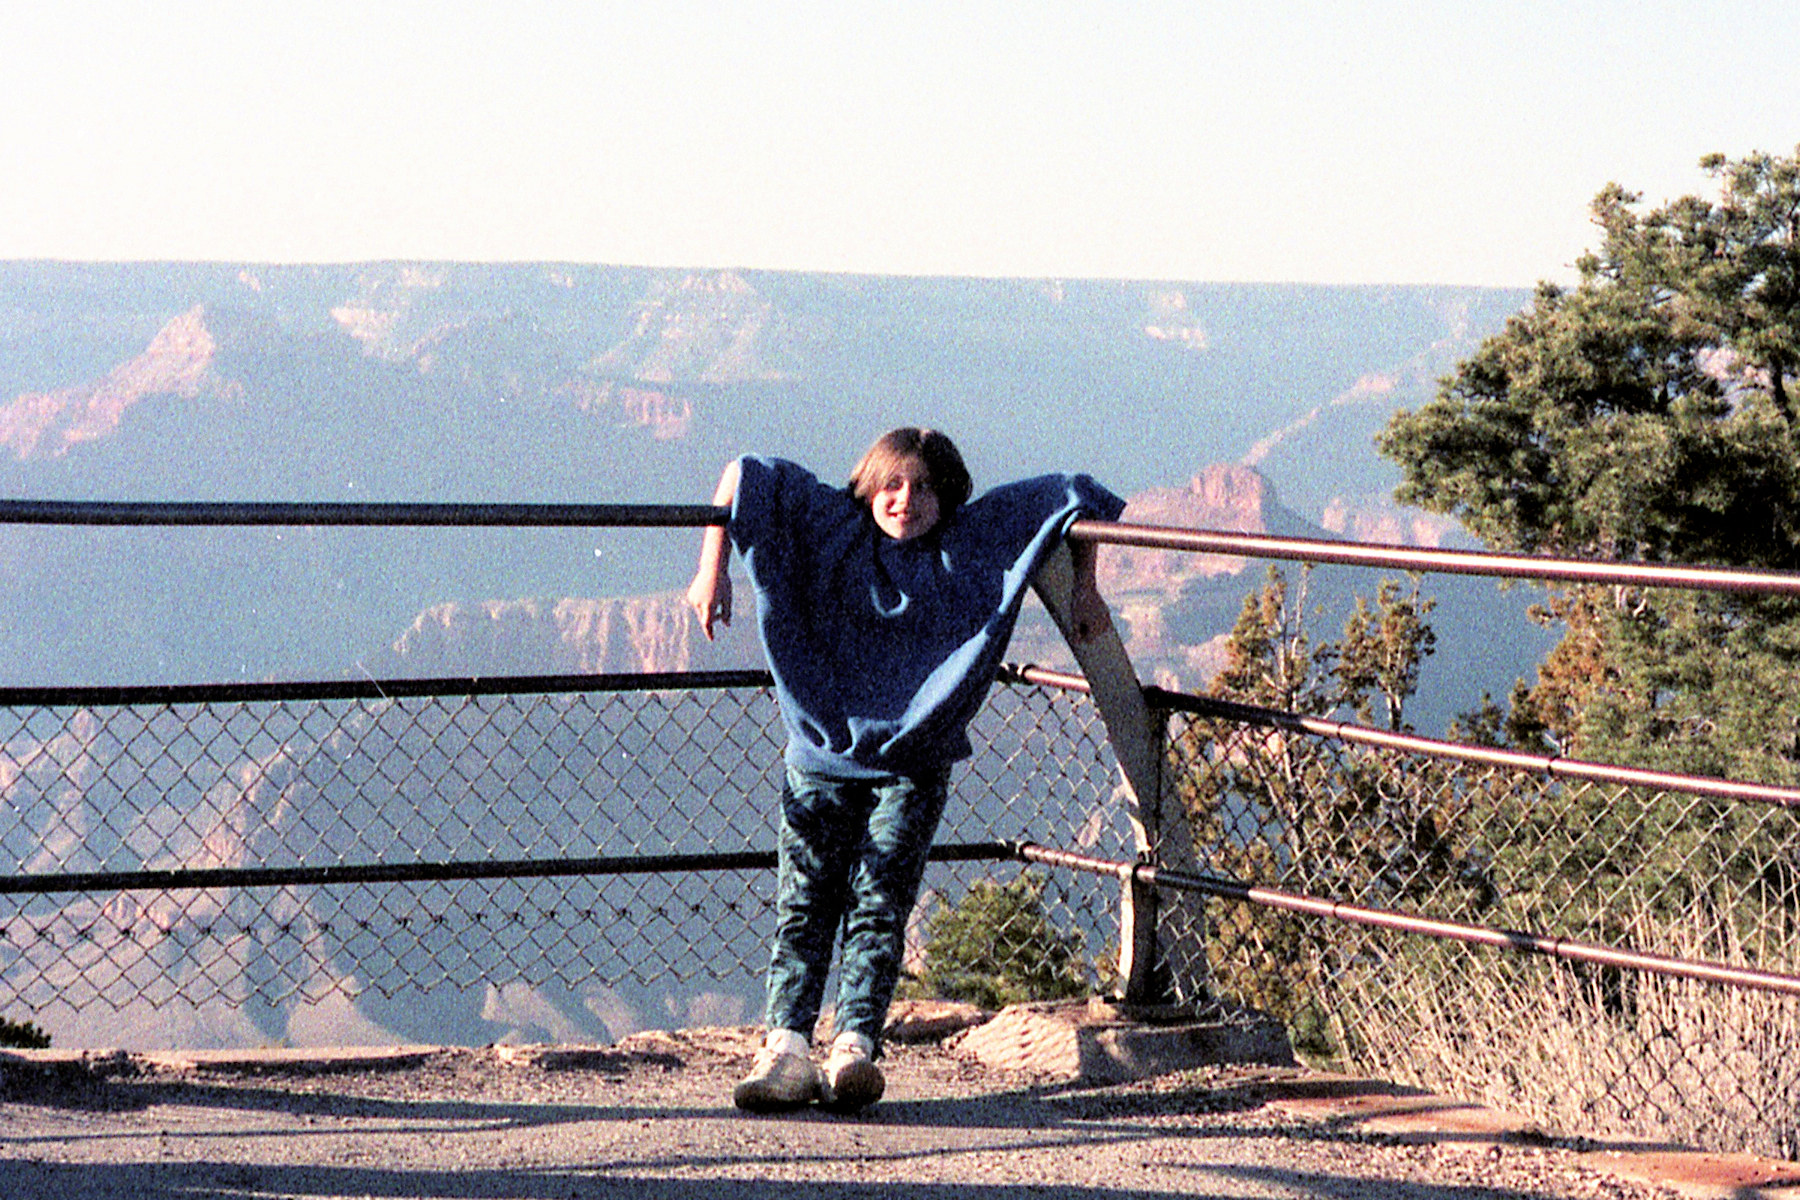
415	844
1657	914
570	857
460	857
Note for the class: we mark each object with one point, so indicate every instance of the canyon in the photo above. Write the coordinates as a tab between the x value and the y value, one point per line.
1238	407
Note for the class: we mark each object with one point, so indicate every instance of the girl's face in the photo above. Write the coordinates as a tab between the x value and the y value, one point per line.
906	505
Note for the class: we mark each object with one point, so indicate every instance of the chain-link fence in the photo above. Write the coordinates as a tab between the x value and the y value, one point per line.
594	854
456	863
600	835
1585	1048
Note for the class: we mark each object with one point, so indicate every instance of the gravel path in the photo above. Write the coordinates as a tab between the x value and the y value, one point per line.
652	1118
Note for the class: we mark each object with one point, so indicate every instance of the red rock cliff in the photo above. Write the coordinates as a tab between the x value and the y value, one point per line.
178	361
572	635
1224	496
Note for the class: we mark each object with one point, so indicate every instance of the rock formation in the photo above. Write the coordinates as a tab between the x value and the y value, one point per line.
177	362
570	635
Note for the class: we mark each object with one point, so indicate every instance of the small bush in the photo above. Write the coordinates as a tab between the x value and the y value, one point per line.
22	1035
997	946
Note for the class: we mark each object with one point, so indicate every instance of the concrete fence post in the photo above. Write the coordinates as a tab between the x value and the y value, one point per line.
1137	734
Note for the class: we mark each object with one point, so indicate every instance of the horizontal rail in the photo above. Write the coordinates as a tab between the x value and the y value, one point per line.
179	878
110	512
1543	764
100	696
1452	562
374	689
1037	676
1505	939
1201	541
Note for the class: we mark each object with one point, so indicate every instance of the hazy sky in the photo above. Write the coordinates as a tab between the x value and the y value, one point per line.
1434	141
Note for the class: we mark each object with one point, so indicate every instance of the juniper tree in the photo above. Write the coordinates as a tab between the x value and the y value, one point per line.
1647	414
1271	805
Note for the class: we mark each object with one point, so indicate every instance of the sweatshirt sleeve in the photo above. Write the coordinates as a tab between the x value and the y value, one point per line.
777	498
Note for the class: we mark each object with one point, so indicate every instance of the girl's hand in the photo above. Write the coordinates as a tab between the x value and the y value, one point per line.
710	593
710	598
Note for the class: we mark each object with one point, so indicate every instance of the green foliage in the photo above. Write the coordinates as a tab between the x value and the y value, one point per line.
1646	414
1348	820
998	946
1701	684
22	1035
1272	660
1269	806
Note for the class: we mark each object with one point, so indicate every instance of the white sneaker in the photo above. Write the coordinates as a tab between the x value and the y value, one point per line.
781	1079
852	1080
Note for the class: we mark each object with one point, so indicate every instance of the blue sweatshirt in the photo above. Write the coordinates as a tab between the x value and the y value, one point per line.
882	651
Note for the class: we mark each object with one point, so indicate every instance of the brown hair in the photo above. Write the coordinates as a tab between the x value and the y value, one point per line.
943	465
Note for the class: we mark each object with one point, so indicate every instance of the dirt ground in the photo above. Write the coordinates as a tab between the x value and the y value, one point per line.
652	1117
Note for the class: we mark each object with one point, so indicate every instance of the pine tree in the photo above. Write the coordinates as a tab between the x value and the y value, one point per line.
1646	414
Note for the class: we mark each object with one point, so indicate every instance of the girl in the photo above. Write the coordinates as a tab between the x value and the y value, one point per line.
884	609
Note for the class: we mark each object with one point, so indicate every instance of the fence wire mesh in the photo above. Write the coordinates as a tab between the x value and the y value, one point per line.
1586	1049
560	775
456	778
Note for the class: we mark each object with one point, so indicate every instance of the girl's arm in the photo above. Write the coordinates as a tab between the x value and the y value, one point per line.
1092	617
710	593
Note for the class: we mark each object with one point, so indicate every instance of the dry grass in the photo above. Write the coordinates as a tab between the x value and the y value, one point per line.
1587	1052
